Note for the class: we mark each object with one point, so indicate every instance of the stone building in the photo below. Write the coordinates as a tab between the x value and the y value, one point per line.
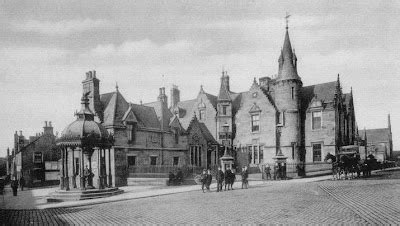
144	134
378	142
276	114
35	158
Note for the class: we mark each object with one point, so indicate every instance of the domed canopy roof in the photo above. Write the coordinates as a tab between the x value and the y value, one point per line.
84	131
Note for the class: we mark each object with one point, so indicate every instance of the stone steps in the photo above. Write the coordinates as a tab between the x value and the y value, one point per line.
74	195
136	181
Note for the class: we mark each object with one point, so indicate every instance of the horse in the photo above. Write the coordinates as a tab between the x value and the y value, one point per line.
229	179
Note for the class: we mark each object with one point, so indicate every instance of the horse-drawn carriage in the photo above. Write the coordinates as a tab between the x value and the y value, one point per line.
347	162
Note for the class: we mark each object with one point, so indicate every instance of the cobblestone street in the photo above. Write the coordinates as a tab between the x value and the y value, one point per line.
360	201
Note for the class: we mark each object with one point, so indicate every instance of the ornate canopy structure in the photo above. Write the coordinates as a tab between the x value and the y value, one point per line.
83	139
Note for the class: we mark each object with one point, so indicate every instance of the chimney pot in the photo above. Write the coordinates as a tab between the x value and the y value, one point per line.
45	123
94	74
20	132
49	123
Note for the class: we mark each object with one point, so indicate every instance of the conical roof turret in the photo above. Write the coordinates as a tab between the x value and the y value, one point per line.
287	61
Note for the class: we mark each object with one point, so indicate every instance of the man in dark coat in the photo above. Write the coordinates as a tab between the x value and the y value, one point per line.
14	186
220	179
22	182
209	179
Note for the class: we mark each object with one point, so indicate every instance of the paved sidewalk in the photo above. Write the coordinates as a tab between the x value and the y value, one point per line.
36	198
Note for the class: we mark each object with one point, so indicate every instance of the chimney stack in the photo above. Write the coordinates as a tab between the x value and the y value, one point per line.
48	129
175	96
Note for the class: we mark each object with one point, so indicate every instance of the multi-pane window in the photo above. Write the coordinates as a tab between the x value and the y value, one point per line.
255	123
131	161
256	154
195	155
317	152
153	160
37	157
316	120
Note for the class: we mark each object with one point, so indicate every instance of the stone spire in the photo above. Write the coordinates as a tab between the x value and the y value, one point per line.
287	60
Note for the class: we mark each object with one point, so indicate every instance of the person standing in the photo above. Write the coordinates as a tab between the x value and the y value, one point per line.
244	177
220	179
275	171
14	186
267	172
203	179
22	182
209	179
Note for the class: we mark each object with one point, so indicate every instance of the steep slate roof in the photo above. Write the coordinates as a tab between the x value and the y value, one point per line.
213	99
146	116
323	91
161	111
115	107
376	135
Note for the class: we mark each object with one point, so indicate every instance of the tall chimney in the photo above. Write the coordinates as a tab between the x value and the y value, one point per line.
175	96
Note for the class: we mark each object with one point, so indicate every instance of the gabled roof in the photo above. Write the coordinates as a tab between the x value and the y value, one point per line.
115	107
203	129
376	135
324	92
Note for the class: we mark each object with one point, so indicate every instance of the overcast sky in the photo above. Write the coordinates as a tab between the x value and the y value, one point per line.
47	46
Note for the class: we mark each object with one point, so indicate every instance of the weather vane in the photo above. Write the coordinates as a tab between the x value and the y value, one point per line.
287	20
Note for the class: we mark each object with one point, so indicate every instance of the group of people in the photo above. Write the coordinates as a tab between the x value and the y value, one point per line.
226	179
279	172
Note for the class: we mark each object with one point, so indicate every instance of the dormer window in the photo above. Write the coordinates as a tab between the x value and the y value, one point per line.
202	114
130	133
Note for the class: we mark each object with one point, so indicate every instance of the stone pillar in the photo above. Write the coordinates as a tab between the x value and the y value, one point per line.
82	177
109	169
73	168
62	170
66	170
99	170
103	168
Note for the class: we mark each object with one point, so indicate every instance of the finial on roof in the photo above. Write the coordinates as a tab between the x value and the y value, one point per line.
287	20
201	89
116	86
254	81
351	90
141	103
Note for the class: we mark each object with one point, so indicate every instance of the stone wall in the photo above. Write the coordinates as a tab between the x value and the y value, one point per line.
266	134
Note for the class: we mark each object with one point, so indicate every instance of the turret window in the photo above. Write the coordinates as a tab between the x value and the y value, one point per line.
223	110
255	123
292	93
